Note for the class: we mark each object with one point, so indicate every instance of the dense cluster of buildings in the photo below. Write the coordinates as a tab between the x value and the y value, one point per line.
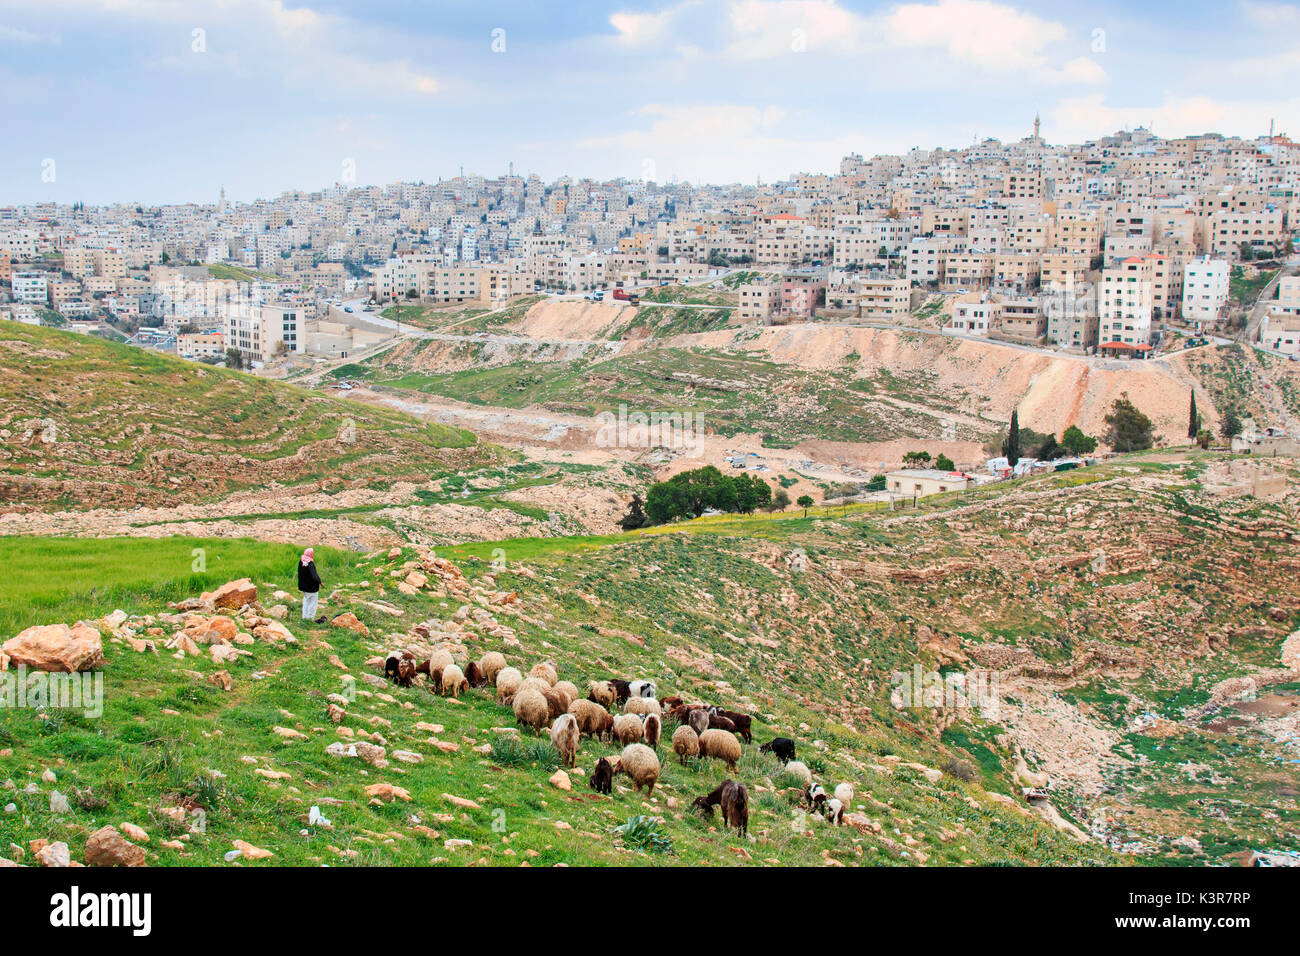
1095	246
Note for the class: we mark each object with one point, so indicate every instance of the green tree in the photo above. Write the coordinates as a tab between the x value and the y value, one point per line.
944	463
1230	427
915	458
1204	437
1077	442
1193	419
805	502
1011	447
780	500
1127	429
636	516
234	359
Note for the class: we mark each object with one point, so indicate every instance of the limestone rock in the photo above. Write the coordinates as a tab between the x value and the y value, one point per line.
57	648
107	847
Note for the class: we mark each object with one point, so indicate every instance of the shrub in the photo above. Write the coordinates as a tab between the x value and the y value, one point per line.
643	833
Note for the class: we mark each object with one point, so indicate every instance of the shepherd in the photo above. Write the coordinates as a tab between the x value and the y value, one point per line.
309	584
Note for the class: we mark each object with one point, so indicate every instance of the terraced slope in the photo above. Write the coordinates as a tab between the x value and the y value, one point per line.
88	423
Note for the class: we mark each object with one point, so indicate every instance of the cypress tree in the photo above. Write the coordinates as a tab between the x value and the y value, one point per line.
1011	447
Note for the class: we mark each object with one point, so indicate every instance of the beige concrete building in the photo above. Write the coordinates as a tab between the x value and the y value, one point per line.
921	482
1281	332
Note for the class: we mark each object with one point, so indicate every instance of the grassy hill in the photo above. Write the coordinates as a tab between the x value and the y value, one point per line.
88	423
1105	668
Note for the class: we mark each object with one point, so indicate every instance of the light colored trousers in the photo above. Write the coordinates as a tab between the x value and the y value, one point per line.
309	600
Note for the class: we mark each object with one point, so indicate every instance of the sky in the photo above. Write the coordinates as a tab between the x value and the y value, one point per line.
165	101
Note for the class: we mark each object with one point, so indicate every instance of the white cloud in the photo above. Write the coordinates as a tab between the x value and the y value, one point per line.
25	37
307	47
1082	118
994	39
760	29
714	143
636	28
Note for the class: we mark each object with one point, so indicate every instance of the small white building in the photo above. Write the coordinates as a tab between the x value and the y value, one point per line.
920	482
1205	289
31	287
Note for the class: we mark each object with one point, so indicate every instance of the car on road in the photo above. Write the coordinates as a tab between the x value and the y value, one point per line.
347	308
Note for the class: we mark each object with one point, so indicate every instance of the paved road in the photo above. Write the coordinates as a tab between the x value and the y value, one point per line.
1265	298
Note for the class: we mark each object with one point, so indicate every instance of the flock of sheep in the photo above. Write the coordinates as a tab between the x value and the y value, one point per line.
626	711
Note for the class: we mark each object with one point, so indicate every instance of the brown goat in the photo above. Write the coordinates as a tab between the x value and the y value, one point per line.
734	799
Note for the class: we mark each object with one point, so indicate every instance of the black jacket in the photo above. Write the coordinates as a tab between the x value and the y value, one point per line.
308	579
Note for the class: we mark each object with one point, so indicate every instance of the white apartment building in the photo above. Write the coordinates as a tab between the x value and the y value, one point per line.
31	287
1125	299
974	317
1205	289
264	332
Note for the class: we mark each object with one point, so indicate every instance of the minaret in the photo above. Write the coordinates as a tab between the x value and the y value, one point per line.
1036	125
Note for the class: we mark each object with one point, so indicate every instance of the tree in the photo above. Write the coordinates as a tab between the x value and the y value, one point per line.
805	502
1051	449
1230	427
636	516
1011	447
780	500
1077	442
913	458
1127	429
1204	437
944	463
234	359
1193	419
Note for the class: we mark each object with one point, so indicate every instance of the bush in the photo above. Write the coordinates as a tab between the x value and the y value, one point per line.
960	769
643	833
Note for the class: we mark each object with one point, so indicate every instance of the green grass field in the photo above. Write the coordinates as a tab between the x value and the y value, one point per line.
67	579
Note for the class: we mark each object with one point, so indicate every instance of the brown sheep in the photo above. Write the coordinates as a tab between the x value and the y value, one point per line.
721	723
474	675
546	671
686	743
400	667
531	709
602	692
508	683
653	727
593	720
641	764
743	723
722	745
491	664
558	701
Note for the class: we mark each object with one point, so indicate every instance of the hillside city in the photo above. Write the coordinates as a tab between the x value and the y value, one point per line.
1122	247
